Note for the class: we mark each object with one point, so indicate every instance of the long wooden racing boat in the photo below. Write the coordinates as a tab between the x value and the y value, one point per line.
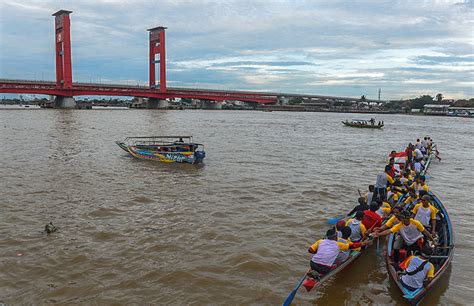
362	124
178	149
427	163
443	254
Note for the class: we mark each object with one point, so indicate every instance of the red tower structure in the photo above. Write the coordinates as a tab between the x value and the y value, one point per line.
62	26
157	46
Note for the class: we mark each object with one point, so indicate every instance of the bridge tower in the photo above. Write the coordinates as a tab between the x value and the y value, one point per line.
62	26
157	46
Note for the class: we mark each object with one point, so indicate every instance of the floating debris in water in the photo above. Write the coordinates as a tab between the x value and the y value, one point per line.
50	228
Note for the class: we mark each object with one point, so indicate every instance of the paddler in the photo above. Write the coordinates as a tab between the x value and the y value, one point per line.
371	219
383	180
395	219
361	207
326	251
426	214
419	185
417	270
411	234
344	238
357	227
412	199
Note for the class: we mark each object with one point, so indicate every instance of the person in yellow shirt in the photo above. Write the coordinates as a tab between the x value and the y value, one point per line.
411	200
384	210
426	214
410	234
344	255
419	185
418	271
393	195
394	219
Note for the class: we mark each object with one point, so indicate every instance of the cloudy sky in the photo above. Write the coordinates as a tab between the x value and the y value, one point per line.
341	48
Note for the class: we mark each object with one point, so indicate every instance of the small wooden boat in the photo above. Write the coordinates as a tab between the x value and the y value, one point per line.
310	283
178	149
362	124
440	259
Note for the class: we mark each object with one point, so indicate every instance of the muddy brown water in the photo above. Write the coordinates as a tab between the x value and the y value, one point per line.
232	231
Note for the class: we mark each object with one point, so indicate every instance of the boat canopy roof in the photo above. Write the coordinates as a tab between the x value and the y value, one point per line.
159	137
152	140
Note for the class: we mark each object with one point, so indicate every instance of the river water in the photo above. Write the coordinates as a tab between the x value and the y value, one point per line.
232	231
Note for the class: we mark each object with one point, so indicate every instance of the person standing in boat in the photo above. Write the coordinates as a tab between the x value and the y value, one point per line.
426	214
383	180
409	152
370	194
326	251
410	235
418	271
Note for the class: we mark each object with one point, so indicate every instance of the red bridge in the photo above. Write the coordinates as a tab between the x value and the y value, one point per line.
65	89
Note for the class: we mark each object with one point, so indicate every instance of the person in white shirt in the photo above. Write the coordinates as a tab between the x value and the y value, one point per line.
418	154
418	270
410	232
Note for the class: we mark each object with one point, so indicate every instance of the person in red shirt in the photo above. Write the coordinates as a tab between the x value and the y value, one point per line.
371	219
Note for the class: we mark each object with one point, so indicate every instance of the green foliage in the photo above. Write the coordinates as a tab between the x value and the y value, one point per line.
363	98
439	97
295	100
419	102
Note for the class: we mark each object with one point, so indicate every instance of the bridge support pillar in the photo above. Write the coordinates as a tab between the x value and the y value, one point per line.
64	102
157	103
207	104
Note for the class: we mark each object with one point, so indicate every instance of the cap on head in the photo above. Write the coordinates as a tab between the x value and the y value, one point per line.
340	224
331	233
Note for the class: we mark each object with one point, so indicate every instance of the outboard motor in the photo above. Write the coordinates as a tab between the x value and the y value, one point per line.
199	155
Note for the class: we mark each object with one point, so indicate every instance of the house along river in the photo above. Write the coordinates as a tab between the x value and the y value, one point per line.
232	231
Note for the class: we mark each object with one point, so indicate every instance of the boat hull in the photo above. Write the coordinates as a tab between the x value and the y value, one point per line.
441	261
165	157
317	283
364	126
